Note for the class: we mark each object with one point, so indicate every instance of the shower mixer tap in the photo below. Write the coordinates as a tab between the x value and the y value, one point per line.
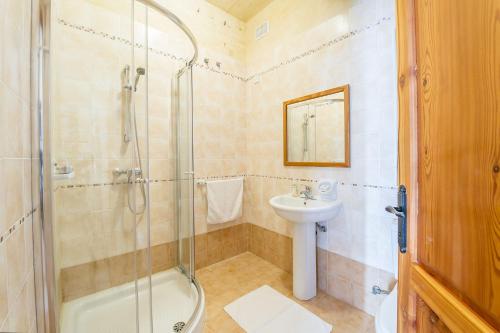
129	172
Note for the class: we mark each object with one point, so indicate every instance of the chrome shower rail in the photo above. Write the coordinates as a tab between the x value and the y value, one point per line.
177	21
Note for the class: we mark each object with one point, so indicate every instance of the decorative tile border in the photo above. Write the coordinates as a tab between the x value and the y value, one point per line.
225	73
150	181
286	178
66	186
219	177
12	229
381	187
321	47
153	50
342	183
117	39
273	68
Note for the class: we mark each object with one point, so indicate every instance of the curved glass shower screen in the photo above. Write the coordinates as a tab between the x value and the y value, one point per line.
118	166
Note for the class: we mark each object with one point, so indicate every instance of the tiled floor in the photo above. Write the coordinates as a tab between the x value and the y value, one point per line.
227	280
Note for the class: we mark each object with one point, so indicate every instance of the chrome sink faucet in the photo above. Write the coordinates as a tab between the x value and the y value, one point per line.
307	192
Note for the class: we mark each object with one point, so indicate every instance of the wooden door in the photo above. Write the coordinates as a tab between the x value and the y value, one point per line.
449	160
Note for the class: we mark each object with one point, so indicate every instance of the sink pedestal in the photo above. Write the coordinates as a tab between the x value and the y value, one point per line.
304	260
303	214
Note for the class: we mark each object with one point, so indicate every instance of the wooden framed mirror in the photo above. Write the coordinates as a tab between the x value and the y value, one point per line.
316	129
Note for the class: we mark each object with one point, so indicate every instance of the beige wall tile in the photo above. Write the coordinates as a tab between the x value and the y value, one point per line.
13	176
15	123
322	272
4	224
340	288
16	262
365	300
271	246
4	304
19	316
15	50
93	276
342	271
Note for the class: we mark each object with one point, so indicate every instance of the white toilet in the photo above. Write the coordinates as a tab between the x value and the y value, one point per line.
386	316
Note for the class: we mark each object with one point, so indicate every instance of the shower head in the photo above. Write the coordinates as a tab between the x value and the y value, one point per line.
140	71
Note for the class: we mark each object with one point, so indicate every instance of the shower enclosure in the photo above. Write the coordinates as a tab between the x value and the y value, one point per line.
115	109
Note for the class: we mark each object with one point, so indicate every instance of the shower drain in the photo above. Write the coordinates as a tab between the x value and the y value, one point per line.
179	326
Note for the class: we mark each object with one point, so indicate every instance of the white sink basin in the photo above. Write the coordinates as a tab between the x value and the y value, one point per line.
303	214
300	210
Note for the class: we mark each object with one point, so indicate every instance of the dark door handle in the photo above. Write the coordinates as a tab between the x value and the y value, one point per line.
395	211
400	212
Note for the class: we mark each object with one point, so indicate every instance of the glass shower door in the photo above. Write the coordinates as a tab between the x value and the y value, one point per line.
141	187
182	108
96	179
174	297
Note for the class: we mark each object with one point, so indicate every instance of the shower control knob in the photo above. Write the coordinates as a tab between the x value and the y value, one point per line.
118	172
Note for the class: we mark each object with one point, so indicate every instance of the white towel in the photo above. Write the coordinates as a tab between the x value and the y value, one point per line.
225	198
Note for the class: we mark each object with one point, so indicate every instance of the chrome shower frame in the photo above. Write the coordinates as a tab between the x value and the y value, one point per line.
153	4
47	304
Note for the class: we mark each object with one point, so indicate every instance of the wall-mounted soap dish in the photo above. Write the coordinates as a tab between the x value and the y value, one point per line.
63	172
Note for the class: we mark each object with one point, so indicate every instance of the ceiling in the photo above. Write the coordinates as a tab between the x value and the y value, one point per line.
242	9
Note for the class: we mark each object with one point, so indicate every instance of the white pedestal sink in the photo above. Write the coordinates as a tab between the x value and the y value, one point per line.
304	213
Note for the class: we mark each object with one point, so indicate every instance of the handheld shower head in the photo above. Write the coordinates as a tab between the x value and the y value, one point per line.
140	71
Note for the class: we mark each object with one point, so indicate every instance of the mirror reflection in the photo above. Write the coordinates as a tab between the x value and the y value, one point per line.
317	129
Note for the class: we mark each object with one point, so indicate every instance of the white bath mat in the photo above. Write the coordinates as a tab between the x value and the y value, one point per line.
265	310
